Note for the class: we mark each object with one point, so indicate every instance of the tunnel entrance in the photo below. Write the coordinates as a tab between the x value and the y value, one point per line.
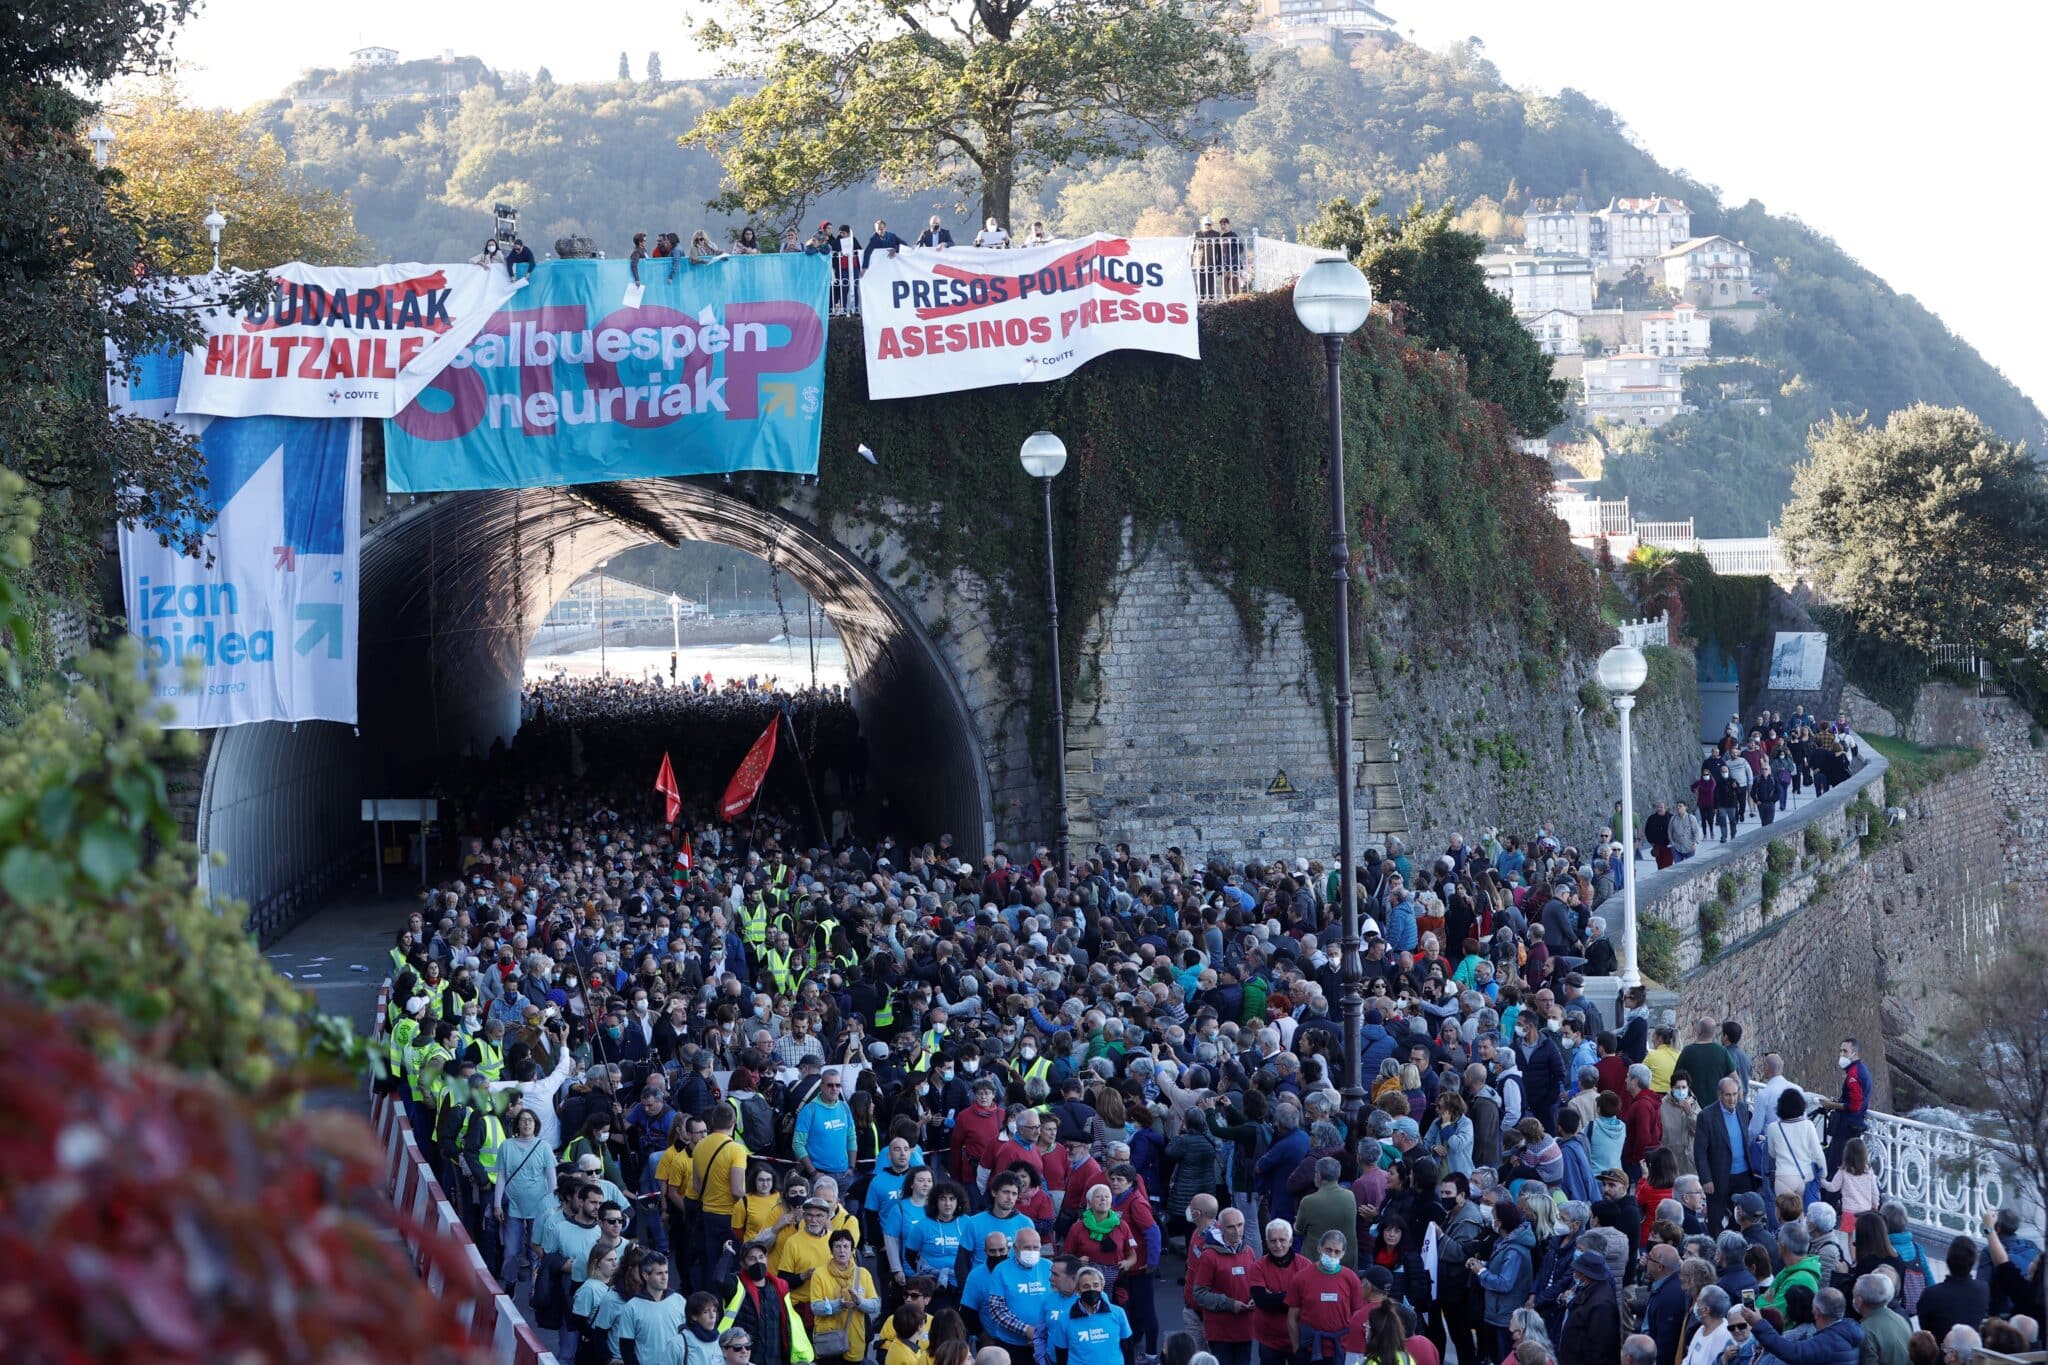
454	591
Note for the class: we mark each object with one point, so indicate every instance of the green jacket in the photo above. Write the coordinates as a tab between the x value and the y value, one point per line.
1255	992
1805	1270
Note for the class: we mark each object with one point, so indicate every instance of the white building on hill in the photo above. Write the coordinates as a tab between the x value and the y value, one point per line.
1564	228
1556	331
374	56
1633	389
1537	283
1680	332
1640	231
1712	272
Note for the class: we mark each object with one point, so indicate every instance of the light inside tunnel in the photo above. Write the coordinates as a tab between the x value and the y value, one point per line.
454	588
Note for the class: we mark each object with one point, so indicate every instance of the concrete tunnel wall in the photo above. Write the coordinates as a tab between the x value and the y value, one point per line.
454	587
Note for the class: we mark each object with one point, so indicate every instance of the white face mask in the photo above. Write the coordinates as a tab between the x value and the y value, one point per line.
1842	1062
1027	1257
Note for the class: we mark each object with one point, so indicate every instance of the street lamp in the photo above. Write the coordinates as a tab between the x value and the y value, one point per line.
1044	455
603	667
102	139
1622	671
675	625
1333	300
215	221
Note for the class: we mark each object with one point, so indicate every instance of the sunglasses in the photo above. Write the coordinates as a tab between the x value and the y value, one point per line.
743	1347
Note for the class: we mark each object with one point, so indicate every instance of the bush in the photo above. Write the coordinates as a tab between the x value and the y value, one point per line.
1779	857
1772	883
1725	888
1915	766
1594	698
1817	841
1657	950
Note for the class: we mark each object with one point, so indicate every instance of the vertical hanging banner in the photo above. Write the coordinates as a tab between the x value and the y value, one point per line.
589	377
335	341
271	621
963	318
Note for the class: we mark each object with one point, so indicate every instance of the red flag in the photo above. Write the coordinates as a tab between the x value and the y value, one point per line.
753	770
686	859
665	783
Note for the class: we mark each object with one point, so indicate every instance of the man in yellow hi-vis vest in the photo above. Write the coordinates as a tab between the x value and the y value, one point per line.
782	966
770	1320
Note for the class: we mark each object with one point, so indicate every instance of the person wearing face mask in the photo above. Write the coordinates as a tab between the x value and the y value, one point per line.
988	1255
1680	1113
1542	1064
841	1295
759	1306
1018	1294
1323	1302
977	1129
1094	1330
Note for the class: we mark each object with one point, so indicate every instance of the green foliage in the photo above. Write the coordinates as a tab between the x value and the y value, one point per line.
1430	270
1779	857
1725	888
1931	528
1726	609
1505	750
1657	950
1598	704
1889	672
1773	882
1816	840
985	101
96	885
1672	674
1229	455
1869	815
1916	766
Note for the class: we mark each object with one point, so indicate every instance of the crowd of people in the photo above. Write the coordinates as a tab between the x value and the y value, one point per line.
718	1092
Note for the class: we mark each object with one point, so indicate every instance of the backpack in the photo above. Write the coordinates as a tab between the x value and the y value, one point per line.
1914	1282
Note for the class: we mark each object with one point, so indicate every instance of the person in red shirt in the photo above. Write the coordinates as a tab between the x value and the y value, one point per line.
1083	1174
977	1130
1612	1066
1642	1112
1221	1285
1660	1173
1322	1303
1052	1161
1202	1237
1102	1237
1021	1145
1272	1282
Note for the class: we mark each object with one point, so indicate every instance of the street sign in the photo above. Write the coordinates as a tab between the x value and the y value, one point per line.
1280	786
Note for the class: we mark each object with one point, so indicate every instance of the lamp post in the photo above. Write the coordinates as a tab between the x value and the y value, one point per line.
1044	455
1333	300
214	222
675	626
603	665
102	139
1622	672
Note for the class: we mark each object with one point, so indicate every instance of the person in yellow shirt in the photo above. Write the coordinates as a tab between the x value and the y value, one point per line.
804	1246
841	1294
826	1188
718	1169
764	1213
675	1174
906	1337
1663	1058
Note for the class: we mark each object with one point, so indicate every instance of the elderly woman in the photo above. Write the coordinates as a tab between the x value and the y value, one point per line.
1103	1237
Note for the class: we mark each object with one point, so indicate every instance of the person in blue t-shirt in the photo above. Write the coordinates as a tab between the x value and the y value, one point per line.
1000	1216
995	1253
1094	1330
931	1246
824	1137
901	1214
1013	1308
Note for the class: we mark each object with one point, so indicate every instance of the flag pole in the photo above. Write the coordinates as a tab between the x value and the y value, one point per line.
796	746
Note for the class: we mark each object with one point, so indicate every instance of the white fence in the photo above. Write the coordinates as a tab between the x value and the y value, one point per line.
1667	535
1746	555
1646	631
1586	518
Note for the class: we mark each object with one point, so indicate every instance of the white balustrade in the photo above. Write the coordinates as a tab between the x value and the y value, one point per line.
1646	631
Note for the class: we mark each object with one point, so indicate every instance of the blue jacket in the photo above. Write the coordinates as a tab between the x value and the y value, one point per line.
1840	1344
1271	1172
1509	1274
1375	1045
1664	1316
1578	1171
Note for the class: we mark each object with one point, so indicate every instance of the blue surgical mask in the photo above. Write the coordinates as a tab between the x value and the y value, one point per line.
1331	1264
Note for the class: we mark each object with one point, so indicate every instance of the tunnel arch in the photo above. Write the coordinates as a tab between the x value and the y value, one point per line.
454	587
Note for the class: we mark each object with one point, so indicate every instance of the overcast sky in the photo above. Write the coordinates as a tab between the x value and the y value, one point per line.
1906	132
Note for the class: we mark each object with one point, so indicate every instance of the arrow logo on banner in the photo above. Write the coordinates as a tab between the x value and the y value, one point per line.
287	558
325	624
782	397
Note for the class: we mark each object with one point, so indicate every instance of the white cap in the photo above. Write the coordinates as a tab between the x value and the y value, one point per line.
416	1004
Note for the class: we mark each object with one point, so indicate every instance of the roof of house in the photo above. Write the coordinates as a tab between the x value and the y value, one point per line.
1692	244
1656	203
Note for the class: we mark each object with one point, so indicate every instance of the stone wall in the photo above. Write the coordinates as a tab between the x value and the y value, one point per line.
1498	735
1868	938
2014	766
1181	726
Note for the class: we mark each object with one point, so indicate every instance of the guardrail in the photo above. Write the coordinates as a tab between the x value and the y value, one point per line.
491	1318
1646	631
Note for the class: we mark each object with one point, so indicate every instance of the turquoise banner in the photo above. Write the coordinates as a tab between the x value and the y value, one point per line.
586	377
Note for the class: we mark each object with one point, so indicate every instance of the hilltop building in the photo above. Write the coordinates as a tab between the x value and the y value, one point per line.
1556	330
1336	24
1679	332
1711	272
1633	389
1564	227
373	56
1639	231
1538	282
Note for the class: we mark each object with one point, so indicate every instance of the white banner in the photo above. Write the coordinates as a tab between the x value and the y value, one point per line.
342	341
963	318
271	621
1799	661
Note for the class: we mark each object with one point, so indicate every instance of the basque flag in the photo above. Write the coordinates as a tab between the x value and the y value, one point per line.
665	783
753	771
686	861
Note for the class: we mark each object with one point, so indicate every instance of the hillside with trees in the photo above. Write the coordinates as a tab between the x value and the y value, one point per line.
1405	125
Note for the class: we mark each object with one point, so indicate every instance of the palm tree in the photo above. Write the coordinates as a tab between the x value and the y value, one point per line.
1655	583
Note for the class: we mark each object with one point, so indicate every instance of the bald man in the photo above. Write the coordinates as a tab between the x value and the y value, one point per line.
1017	1300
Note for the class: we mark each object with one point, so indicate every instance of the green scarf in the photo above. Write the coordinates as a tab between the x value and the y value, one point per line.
1102	1227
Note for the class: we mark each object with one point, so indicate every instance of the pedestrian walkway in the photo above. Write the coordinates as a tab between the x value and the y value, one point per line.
339	953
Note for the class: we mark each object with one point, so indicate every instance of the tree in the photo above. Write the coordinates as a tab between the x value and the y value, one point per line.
1998	1043
1932	528
984	101
625	68
177	160
654	68
1431	270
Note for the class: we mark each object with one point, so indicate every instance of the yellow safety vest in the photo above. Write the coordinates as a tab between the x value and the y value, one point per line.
490	1060
1040	1066
428	1080
799	1339
885	1015
494	1136
754	925
928	1047
398	1050
779	970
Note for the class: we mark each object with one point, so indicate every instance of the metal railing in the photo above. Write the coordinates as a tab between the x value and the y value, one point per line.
1586	517
1667	535
1646	631
1745	555
1945	1179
